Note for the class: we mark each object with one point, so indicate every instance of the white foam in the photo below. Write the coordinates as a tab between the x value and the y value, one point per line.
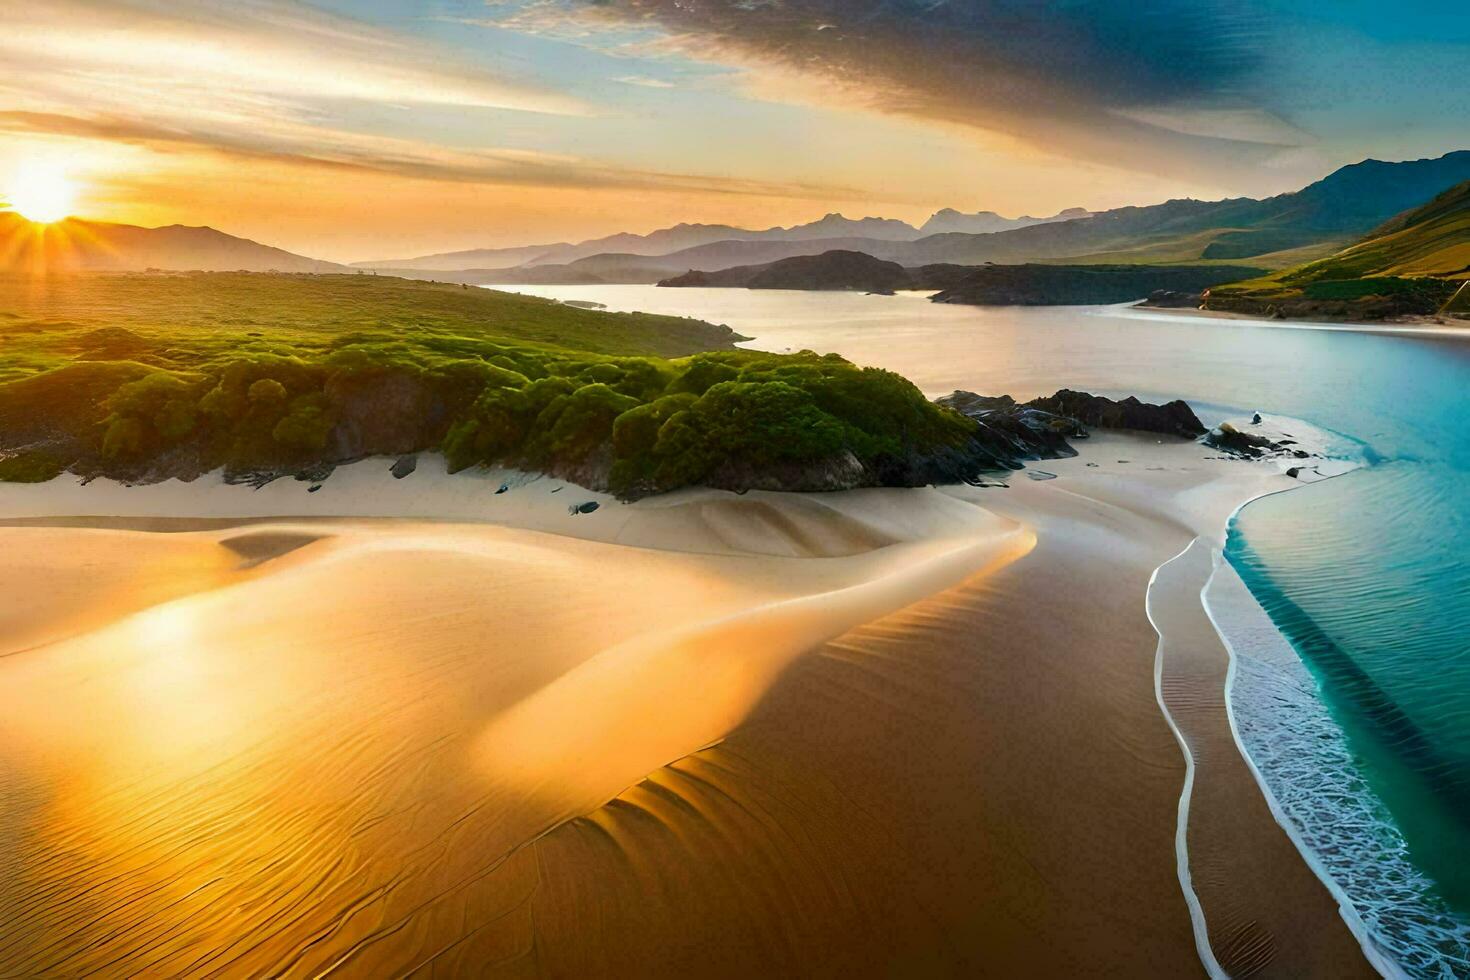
1305	767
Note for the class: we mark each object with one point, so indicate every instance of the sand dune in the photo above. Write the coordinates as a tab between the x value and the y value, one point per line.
868	733
322	748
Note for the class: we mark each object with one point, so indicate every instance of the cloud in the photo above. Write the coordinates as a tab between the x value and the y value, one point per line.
270	48
317	146
1120	84
263	79
644	82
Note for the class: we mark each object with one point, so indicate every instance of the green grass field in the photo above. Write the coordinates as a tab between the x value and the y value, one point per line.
201	317
142	377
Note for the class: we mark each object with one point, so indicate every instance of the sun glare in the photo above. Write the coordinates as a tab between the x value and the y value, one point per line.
40	193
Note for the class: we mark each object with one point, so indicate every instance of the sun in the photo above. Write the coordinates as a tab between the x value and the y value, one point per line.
40	193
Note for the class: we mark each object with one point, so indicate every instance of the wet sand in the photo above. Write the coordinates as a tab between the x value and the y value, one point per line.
883	732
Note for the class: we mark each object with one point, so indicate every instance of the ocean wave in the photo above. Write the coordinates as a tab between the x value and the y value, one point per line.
1319	793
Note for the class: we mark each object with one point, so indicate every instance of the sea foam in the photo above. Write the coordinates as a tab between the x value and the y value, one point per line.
1318	793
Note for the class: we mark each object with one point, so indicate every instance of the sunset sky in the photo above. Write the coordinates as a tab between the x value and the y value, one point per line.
358	130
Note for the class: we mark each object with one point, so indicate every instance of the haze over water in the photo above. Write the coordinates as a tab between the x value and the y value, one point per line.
1365	574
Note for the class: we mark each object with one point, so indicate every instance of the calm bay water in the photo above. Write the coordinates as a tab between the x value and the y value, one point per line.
1367	575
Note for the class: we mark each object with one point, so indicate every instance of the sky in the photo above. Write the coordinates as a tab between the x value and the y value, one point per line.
370	129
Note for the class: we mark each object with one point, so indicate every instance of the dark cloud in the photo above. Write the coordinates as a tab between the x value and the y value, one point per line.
1080	76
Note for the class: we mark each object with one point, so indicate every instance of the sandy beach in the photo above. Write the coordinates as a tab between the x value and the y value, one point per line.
414	728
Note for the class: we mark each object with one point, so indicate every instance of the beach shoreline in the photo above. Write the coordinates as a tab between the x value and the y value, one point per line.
886	623
1414	326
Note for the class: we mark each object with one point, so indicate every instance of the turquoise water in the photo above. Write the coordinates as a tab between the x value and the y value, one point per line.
1368	575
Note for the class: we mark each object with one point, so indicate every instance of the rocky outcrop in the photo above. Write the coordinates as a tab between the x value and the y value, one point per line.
1173	418
1228	439
1010	432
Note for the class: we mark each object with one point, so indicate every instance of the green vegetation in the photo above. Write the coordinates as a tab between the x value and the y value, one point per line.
30	467
1413	264
144	377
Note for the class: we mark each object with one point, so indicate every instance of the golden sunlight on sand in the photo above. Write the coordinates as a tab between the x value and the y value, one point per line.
287	747
881	731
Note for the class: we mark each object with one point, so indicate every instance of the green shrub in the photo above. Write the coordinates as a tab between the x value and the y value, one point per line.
30	467
701	374
267	391
125	438
307	423
644	424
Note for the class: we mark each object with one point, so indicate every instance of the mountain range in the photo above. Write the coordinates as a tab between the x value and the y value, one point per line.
1273	233
77	245
988	222
688	236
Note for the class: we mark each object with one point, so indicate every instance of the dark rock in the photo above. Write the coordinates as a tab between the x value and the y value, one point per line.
1256	419
1227	438
404	466
583	508
1174	299
1174	418
1040	475
1294	472
502	488
315	473
1009	432
313	488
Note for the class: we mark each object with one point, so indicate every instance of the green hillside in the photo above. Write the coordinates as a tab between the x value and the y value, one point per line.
1415	263
149	377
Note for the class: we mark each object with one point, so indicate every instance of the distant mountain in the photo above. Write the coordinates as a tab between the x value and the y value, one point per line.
475	258
1417	262
76	245
950	221
836	226
1324	216
662	242
1271	233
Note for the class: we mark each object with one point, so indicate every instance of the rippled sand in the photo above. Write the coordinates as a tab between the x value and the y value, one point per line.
292	747
882	732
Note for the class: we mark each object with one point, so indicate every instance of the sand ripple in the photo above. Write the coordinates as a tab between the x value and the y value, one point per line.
333	750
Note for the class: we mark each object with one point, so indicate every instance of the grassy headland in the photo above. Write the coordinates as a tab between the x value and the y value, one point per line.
146	377
1413	264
